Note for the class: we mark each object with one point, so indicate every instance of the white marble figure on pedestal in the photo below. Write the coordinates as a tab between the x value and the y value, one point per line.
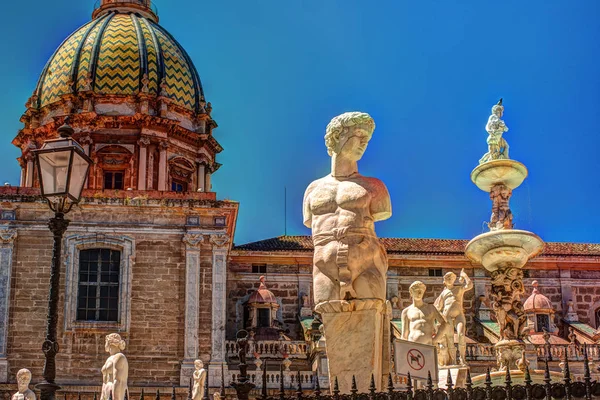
23	381
419	321
115	370
342	208
450	304
497	146
199	380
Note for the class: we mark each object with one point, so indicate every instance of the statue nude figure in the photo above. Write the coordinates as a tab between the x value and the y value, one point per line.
115	370
418	319
450	304
23	380
199	380
497	145
342	208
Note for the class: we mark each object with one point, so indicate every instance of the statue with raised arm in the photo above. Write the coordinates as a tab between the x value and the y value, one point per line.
115	370
23	381
342	208
199	378
420	318
495	127
450	304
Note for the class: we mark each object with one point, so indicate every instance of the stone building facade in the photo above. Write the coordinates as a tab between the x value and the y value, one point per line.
149	251
145	254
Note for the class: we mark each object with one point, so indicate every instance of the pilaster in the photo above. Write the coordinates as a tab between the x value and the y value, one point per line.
220	243
162	166
142	162
192	303
7	239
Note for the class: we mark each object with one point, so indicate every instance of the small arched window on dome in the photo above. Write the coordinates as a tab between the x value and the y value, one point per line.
181	174
114	167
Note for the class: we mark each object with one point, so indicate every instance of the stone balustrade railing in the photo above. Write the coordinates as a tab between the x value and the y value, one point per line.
485	351
290	379
270	349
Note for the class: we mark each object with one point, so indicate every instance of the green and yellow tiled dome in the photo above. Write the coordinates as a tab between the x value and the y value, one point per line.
117	54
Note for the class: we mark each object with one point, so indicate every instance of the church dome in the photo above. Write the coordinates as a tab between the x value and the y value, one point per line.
121	52
537	301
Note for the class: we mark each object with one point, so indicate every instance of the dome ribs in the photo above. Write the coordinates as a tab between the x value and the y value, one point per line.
75	65
96	49
199	91
142	48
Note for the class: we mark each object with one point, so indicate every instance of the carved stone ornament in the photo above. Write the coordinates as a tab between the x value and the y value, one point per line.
507	287
219	240
497	146
501	214
143	142
8	235
193	240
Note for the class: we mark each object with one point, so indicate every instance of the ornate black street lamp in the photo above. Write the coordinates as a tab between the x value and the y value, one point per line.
62	169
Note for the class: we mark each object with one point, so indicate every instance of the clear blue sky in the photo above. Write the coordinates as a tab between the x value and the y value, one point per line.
427	71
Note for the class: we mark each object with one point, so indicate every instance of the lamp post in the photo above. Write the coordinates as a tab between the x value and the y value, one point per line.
62	170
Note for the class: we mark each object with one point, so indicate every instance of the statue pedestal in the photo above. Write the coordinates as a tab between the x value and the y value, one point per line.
357	333
457	372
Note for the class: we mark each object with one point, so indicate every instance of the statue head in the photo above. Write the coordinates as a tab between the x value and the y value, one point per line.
449	278
23	379
114	341
498	110
348	134
417	290
198	364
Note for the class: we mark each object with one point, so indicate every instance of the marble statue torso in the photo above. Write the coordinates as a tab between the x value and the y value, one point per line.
342	213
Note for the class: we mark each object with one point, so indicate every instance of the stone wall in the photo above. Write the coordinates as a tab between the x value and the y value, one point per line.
154	328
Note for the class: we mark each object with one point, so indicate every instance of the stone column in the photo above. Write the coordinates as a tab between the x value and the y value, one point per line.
192	302
207	183
220	244
7	238
201	176
142	163
162	166
30	166
23	174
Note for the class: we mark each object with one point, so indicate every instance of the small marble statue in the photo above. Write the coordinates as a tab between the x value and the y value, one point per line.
199	380
497	146
115	370
450	304
419	319
342	208
23	381
501	214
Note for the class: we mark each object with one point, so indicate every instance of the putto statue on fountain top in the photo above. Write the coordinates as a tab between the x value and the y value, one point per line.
350	264
495	127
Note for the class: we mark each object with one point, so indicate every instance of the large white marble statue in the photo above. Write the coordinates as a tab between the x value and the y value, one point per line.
342	208
420	318
23	381
450	304
115	370
497	146
199	380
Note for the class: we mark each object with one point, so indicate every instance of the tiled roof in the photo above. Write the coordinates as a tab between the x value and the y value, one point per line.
416	246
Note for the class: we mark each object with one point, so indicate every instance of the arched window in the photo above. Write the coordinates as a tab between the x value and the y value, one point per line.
181	174
114	162
597	314
98	291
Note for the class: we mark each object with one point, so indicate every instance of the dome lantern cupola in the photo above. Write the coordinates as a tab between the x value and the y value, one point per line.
143	7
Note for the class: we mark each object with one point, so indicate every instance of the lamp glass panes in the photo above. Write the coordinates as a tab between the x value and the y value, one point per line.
63	167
